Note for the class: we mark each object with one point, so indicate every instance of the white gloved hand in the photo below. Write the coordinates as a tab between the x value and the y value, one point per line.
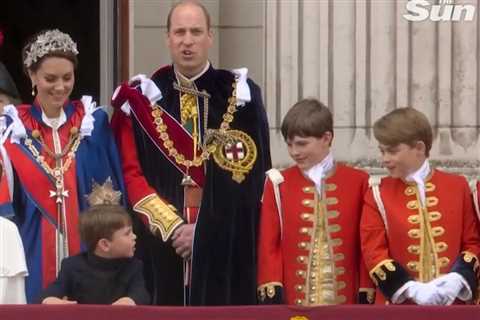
453	285
425	294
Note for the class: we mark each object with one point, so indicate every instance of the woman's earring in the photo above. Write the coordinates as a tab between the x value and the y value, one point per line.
33	90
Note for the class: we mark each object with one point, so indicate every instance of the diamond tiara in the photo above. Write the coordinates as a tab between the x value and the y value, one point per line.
49	41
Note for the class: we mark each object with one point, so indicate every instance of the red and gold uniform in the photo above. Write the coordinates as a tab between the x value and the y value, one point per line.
408	241
309	251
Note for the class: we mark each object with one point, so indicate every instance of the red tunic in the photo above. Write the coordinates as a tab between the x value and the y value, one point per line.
314	253
447	228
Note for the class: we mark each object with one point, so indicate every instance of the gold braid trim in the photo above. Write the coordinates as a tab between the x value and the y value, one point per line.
379	272
161	216
267	290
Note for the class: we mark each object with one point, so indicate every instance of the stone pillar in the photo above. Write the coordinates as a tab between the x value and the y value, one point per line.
363	59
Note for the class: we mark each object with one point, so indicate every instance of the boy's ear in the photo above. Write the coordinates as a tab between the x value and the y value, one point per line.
104	244
328	136
420	146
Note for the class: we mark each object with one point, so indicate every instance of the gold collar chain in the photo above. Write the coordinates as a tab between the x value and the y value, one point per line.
161	128
58	171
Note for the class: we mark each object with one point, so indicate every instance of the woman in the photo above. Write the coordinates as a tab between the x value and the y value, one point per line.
58	155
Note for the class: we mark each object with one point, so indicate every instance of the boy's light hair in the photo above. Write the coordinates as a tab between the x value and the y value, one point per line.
100	222
404	125
307	118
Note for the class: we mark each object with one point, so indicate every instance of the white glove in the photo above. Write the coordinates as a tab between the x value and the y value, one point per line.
423	293
453	285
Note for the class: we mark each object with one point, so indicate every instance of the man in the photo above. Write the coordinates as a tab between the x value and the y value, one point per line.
195	146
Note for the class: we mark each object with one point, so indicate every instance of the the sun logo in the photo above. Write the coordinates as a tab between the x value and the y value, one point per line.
445	10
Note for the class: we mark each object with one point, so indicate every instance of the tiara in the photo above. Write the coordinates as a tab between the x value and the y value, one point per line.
52	40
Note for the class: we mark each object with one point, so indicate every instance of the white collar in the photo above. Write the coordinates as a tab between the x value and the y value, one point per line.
318	172
57	122
419	177
187	79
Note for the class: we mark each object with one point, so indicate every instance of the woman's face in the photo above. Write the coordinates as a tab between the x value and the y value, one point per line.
54	80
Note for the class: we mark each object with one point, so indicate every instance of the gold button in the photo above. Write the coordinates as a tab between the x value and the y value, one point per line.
303	230
302	245
298	302
299	287
300	273
301	259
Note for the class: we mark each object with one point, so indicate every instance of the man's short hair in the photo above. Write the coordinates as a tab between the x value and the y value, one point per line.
307	118
101	221
194	2
404	125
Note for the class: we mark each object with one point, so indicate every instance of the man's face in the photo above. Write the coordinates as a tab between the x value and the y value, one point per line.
402	159
189	39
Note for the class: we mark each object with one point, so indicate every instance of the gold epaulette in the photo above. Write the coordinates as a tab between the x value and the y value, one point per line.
162	217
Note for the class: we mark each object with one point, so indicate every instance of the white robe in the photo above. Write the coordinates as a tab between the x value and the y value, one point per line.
13	268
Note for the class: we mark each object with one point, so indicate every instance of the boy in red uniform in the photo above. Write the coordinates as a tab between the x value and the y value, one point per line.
309	245
420	238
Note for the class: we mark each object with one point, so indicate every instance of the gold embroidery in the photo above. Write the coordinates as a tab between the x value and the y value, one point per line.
414	233
429	187
330	201
337	242
236	152
414	249
330	187
410	191
379	272
299	318
338	257
308	189
161	216
104	194
412	204
438	231
340	271
334	228
321	282
308	203
443	261
441	246
267	290
413	266
333	214
414	219
432	201
306	216
435	216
